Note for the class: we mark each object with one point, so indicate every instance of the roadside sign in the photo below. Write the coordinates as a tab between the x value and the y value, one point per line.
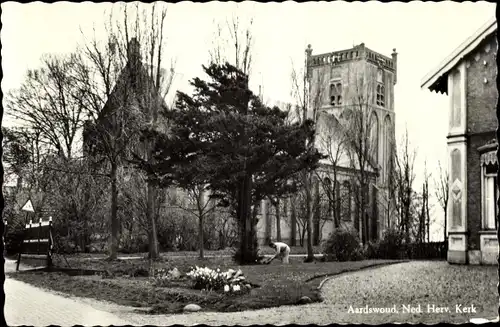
28	206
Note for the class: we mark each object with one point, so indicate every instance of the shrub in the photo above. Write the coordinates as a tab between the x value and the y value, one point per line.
389	247
372	250
136	244
14	238
432	250
343	245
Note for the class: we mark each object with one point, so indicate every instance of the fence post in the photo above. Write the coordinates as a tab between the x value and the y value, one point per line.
49	250
3	237
39	231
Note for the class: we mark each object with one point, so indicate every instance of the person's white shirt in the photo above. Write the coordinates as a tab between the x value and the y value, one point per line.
282	251
281	247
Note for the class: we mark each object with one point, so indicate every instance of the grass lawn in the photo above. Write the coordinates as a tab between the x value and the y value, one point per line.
278	284
266	250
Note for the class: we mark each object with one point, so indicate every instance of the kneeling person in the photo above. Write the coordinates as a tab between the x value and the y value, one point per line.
282	251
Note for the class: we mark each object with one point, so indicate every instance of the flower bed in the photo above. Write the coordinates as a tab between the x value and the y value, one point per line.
215	280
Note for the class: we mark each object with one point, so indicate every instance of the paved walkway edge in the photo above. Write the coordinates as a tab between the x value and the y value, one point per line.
375	265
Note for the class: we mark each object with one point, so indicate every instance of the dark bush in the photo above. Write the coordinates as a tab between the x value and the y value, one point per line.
343	245
390	246
372	250
136	245
14	238
427	251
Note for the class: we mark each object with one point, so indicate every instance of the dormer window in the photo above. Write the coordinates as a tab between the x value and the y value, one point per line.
380	88
336	93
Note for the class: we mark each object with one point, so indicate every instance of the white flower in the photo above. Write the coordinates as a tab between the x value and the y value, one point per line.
236	288
226	288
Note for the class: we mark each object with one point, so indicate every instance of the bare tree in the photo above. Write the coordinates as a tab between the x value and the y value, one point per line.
357	119
424	217
293	220
200	206
49	103
233	43
125	87
442	194
333	142
18	155
308	89
404	178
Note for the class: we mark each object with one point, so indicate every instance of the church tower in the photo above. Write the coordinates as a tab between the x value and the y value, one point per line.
360	78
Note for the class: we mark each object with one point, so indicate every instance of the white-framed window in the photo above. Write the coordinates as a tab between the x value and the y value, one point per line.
489	197
336	93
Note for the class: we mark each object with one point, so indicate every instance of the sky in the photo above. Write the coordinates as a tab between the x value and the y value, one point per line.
423	34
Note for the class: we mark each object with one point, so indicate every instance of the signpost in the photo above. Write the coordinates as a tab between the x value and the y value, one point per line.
28	206
29	239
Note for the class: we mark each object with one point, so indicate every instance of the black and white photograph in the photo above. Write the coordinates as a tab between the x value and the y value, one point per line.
249	163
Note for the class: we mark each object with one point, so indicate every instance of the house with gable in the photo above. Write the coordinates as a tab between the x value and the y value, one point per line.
468	77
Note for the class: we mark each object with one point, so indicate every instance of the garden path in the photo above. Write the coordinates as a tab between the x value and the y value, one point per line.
32	306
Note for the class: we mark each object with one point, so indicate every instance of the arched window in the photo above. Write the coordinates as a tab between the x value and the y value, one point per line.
336	93
387	145
329	190
346	201
380	88
374	136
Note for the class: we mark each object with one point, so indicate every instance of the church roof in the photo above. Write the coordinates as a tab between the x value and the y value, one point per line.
437	79
134	70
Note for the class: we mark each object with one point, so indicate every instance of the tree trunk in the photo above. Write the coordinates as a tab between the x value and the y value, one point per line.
267	220
445	223
113	240
357	209
363	214
374	218
336	202
309	225
200	236
427	214
247	249
317	214
293	222
151	218
278	220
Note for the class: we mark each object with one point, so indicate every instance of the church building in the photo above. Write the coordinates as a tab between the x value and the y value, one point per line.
351	97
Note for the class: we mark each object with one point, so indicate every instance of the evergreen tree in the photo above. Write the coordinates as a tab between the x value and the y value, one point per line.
224	137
